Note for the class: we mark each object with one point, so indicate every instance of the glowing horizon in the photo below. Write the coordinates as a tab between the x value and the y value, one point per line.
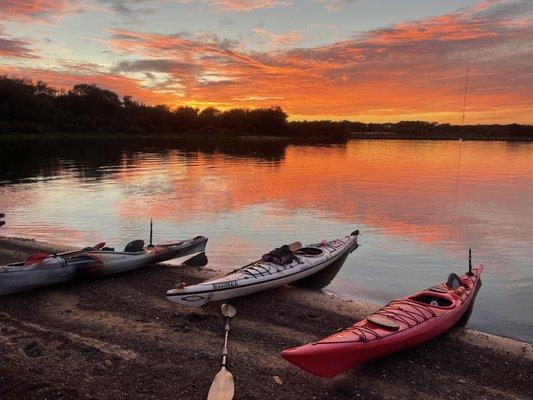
320	59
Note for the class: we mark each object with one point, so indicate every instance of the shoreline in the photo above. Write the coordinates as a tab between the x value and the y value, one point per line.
118	337
298	139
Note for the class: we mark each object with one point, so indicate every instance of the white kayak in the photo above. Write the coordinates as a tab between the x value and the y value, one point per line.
43	270
277	268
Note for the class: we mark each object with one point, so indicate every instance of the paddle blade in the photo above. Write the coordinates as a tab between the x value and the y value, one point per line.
222	387
227	310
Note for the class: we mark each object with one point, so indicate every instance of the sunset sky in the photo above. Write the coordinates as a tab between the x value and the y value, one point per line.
368	60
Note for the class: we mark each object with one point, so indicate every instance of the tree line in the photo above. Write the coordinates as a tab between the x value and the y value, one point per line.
37	108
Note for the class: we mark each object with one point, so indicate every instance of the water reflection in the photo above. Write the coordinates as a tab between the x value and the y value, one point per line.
322	278
419	205
90	159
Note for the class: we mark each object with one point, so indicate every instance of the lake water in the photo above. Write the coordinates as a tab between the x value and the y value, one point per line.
420	205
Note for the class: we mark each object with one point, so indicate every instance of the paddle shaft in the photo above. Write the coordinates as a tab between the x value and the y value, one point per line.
225	350
66	253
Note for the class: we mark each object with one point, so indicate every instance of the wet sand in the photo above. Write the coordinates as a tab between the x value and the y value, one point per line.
119	338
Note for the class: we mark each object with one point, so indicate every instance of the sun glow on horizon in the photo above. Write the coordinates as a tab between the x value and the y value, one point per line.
252	57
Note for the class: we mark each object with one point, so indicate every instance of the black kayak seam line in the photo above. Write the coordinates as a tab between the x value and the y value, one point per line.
252	284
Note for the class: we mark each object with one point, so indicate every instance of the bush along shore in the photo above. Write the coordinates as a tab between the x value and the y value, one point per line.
119	338
35	108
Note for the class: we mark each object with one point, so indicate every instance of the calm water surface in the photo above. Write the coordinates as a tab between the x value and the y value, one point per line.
419	205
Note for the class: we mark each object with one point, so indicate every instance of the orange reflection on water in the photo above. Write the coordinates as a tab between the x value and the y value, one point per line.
434	190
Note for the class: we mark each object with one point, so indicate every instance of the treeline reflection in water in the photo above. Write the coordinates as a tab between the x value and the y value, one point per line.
22	159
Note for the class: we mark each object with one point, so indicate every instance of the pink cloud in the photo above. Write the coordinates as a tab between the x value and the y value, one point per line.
335	5
15	48
247	5
32	10
79	73
414	69
282	39
375	73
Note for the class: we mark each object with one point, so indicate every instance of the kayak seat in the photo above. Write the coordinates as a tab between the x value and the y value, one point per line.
134	247
453	281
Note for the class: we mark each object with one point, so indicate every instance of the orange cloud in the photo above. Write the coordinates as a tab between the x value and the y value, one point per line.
335	5
32	10
247	5
410	69
240	5
282	39
82	74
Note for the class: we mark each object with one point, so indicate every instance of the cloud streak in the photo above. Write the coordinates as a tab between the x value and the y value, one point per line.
32	10
15	48
281	39
335	5
410	70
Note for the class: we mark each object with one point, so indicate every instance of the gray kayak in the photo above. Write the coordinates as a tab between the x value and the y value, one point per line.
277	268
44	270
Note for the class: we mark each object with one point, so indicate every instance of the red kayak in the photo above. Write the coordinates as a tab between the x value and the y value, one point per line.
400	324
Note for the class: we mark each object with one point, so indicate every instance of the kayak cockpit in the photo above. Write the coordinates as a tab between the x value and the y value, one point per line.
309	252
432	299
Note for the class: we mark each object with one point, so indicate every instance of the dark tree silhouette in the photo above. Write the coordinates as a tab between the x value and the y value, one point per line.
37	108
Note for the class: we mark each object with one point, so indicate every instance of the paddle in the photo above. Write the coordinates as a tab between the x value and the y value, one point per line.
66	253
222	387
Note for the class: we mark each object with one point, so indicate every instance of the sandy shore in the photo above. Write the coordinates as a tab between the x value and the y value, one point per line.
118	338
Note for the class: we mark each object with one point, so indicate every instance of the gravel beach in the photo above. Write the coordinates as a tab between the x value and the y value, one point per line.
119	338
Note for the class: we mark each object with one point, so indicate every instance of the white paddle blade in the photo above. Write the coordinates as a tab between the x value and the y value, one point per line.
227	310
222	387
